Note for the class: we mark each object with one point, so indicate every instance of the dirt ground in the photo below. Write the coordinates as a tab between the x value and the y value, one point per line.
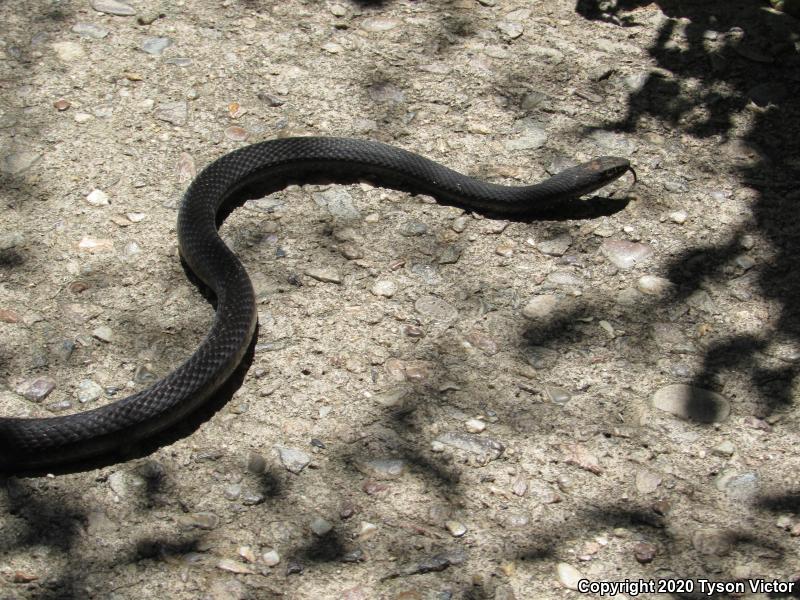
439	405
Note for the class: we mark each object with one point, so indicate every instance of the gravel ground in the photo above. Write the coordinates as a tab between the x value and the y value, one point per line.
439	405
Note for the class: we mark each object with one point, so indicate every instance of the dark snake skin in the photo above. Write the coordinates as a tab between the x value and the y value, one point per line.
38	443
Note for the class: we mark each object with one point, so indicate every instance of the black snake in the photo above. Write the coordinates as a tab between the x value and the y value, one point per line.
35	443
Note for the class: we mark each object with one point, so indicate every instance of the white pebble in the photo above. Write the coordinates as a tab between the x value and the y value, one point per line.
679	217
475	425
97	198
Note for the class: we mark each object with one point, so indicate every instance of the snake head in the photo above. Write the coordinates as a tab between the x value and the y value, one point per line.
609	168
588	177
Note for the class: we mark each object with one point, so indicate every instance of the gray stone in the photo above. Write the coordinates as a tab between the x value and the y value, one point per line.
557	395
10	240
90	30
320	526
338	202
692	403
383	468
484	447
511	29
156	45
324	275
19	162
563	279
113	7
556	246
701	300
379	24
625	255
293	459
724	449
435	308
743	488
413	229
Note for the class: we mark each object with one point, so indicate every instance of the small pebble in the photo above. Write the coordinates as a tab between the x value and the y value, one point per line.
625	255
246	552
256	463
724	449
413	229
234	566
475	425
271	558
644	552
90	30
511	29
367	530
540	307
324	275
103	333
692	403
19	162
379	24
568	575
89	391
459	224
320	526
97	198
39	389
384	287
156	45
520	486
113	7
505	249
556	246
232	491
69	51
293	459
679	217
456	528
652	285
557	395
383	468
199	520
236	133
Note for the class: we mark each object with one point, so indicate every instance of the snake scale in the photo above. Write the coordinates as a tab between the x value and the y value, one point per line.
38	443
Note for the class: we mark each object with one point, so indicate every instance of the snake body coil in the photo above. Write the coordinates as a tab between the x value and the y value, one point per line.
38	443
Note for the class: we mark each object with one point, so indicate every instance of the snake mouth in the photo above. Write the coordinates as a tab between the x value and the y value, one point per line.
612	168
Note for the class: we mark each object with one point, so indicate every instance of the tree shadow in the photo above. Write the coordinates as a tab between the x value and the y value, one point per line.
748	66
718	61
